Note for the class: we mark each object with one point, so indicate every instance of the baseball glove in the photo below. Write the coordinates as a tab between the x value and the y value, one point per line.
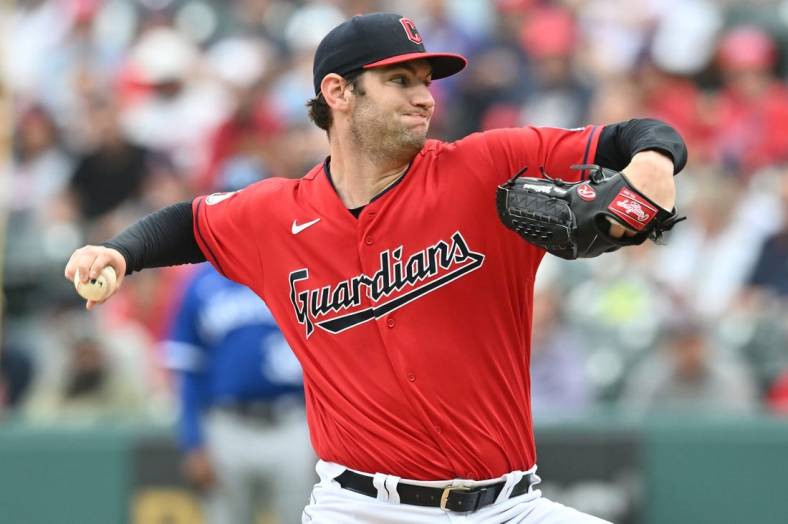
570	219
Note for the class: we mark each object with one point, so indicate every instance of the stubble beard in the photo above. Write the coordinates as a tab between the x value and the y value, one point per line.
381	138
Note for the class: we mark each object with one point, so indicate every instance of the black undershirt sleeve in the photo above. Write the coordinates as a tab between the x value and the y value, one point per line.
619	142
163	238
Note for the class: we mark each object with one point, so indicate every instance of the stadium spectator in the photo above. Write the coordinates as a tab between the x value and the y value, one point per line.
498	77
753	111
709	259
686	375
112	172
559	98
86	376
39	166
177	107
246	146
771	265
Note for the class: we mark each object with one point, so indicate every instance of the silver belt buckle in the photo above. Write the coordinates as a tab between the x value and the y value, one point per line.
445	494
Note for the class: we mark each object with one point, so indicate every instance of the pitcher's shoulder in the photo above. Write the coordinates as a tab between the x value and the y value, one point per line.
471	145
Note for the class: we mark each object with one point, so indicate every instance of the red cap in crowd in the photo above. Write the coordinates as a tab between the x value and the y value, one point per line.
747	47
549	32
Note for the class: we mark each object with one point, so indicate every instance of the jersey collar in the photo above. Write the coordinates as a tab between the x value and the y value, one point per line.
356	211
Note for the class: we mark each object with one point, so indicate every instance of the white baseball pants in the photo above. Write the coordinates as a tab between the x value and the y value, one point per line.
331	504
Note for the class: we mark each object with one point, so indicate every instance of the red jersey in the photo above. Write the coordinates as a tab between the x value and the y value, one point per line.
412	322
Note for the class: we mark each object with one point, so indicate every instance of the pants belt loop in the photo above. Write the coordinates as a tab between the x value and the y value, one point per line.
512	479
328	471
379	481
391	486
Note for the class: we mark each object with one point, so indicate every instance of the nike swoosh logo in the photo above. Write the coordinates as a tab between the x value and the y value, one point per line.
297	228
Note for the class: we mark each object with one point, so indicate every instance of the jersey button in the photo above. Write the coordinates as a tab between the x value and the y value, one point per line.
411	377
438	430
390	322
369	240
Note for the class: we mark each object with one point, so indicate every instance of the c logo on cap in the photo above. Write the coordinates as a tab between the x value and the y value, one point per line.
410	30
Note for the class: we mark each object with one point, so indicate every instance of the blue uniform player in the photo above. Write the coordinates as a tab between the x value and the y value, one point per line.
242	426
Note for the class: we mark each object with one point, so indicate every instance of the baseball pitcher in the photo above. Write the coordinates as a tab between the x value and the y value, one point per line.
401	272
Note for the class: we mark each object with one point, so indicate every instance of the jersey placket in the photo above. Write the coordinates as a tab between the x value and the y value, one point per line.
370	247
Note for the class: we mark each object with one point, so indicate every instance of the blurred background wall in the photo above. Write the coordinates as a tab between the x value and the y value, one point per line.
660	373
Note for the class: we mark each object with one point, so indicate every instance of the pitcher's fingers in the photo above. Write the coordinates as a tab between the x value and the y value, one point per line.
71	266
85	266
81	261
101	261
109	258
617	230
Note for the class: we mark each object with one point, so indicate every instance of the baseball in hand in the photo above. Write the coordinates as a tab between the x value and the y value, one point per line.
99	288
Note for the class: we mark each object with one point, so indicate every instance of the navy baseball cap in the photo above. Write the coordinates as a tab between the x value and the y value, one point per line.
376	40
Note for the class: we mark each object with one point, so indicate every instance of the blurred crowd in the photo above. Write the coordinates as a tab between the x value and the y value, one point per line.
119	107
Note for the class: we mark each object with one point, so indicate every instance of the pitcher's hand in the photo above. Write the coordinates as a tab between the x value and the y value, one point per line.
89	261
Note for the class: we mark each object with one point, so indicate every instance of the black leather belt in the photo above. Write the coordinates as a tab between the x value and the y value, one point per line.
450	498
